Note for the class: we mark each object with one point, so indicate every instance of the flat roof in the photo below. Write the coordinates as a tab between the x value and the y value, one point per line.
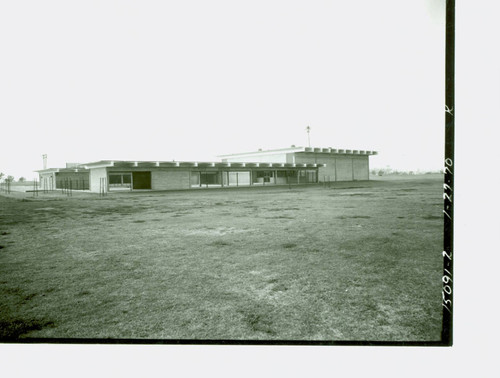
189	164
323	150
193	164
80	168
177	164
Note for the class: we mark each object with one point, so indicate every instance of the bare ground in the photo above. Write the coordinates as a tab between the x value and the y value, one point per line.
353	261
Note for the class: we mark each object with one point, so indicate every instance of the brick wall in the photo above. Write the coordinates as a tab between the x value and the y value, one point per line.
169	180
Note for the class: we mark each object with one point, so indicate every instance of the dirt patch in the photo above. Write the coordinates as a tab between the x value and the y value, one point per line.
430	217
359	194
354	217
260	323
219	231
220	243
13	329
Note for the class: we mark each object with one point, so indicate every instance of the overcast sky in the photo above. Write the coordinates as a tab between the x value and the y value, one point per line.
189	80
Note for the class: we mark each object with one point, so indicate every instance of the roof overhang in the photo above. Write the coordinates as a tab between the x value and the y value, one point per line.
123	164
61	170
318	150
264	152
48	170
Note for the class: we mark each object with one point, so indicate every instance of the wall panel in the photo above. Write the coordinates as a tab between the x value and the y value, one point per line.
360	166
169	180
95	175
344	169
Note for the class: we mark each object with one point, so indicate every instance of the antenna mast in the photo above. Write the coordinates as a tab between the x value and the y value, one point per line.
308	129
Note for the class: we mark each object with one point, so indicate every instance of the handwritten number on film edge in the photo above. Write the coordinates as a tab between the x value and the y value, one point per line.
447	276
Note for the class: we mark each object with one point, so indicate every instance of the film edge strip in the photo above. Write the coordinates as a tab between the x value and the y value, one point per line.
448	185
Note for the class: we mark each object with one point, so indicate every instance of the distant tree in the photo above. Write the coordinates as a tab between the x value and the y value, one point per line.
1	175
9	178
21	179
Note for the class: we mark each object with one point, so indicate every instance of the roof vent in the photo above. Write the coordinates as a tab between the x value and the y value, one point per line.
293	146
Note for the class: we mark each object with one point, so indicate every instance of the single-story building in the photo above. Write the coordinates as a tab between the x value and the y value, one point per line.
335	164
74	176
288	166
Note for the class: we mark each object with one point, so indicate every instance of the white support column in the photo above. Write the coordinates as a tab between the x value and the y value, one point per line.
335	162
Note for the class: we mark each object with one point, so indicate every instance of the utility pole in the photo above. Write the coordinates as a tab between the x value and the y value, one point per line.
308	129
44	157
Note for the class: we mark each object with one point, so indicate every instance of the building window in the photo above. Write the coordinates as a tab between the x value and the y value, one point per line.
115	179
238	178
206	178
263	177
120	180
210	178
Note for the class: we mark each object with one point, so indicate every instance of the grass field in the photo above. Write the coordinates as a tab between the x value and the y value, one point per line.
354	261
